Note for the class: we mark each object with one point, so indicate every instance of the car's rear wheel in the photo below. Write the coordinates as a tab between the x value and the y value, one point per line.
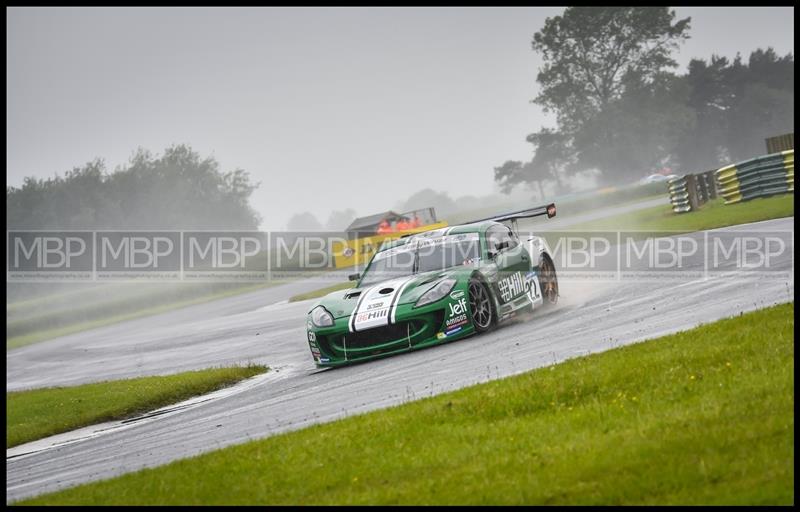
481	305
548	280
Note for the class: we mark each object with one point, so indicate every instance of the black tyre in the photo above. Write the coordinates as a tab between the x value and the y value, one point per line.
548	280
480	303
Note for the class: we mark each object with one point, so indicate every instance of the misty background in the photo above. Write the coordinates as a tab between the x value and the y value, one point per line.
307	117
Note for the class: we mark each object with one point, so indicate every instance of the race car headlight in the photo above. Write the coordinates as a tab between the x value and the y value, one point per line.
321	317
436	293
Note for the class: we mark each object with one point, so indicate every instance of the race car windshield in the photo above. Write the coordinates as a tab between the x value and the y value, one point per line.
424	257
399	264
446	255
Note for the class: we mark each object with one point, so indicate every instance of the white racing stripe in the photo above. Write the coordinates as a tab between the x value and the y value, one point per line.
374	309
396	302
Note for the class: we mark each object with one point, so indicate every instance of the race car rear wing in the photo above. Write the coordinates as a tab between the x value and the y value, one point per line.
549	210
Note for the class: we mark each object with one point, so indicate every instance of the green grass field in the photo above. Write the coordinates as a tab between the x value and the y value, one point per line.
39	413
705	416
714	214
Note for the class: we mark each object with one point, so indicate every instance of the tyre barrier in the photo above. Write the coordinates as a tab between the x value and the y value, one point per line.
758	177
690	191
679	195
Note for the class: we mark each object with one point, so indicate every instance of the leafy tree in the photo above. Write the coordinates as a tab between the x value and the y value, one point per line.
589	51
510	174
621	110
710	97
737	106
178	190
603	68
767	67
636	134
762	102
550	158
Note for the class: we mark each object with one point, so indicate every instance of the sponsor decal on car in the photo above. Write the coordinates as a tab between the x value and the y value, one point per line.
458	308
312	343
452	331
511	286
371	315
456	312
456	294
456	321
533	286
449	332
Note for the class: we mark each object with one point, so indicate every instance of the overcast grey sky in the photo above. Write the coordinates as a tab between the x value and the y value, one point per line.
330	108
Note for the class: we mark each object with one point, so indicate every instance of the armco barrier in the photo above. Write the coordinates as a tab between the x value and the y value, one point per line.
758	177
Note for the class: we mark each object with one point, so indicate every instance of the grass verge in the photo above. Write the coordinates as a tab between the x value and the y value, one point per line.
322	291
40	413
704	416
714	214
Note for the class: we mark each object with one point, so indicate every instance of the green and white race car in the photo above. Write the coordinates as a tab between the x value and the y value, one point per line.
434	287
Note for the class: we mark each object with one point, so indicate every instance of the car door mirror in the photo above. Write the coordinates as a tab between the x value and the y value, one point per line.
353	277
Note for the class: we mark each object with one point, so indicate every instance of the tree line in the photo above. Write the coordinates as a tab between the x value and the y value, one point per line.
176	190
622	112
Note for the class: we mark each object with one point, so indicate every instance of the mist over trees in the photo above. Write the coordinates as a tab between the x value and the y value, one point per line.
305	221
623	112
177	190
737	105
340	219
426	198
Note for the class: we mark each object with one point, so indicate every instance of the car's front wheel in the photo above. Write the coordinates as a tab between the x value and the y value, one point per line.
481	305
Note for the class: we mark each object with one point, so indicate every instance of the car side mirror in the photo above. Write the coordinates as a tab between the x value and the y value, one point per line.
353	277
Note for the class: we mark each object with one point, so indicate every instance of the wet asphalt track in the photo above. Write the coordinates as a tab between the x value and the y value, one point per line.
590	317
